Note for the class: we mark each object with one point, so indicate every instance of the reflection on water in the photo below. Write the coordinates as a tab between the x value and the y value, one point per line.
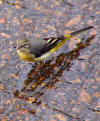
44	75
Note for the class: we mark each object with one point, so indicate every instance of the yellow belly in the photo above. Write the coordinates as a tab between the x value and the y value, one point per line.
25	56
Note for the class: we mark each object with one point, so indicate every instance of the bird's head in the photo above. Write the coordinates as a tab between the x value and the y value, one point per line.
23	50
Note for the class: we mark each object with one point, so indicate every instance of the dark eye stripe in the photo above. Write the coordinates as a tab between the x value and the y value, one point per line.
22	46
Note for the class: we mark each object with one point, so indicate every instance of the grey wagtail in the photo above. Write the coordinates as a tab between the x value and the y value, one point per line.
38	49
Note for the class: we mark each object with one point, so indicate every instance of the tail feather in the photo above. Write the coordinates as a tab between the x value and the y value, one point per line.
70	35
81	30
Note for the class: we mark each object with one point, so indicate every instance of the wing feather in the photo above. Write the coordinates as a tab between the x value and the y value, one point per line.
51	42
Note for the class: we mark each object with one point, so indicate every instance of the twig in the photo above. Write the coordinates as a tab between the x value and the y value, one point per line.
55	109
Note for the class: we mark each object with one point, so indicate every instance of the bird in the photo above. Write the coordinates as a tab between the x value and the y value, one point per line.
38	49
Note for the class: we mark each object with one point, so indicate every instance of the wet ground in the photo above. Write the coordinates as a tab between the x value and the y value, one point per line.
64	87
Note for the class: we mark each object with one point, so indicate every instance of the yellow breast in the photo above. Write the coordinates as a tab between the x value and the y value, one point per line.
25	55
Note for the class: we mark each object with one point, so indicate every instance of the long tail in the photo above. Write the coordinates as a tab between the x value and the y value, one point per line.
81	30
68	36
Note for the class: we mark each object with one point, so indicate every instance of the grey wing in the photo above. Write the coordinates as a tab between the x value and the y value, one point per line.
52	42
40	46
36	45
